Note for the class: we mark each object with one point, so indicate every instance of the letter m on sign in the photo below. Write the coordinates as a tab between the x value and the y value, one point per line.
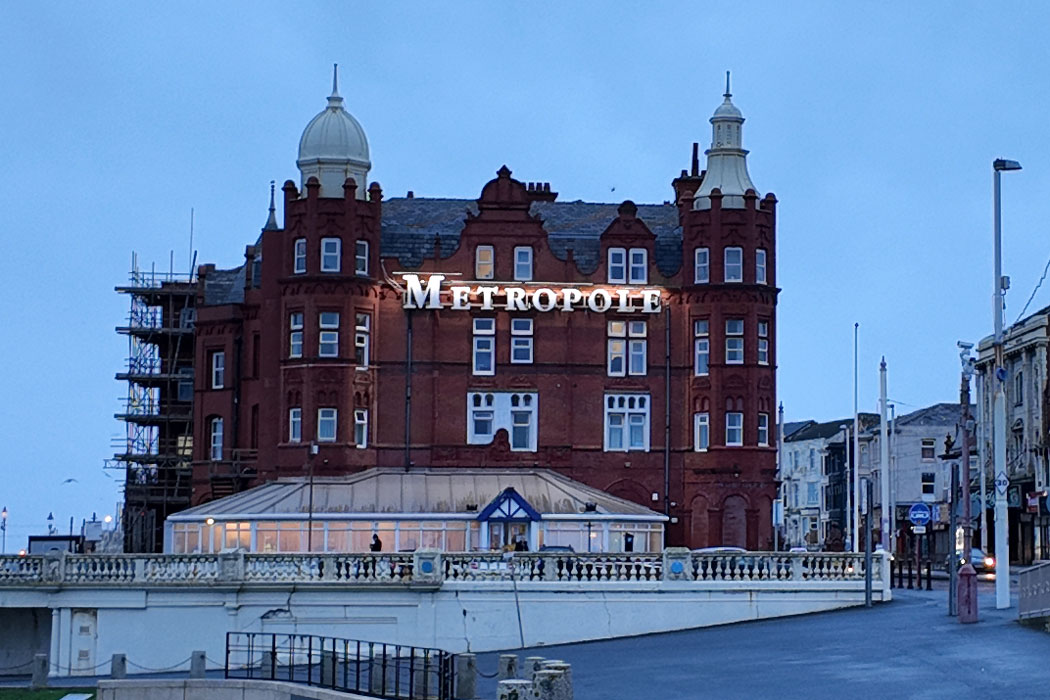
419	297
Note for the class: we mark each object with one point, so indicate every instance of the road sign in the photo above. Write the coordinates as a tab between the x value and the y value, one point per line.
1001	482
919	514
918	529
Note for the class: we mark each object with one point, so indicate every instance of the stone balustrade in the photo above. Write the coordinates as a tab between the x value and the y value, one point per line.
432	568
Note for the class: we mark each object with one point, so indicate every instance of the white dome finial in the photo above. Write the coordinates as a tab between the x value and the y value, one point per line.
333	147
726	159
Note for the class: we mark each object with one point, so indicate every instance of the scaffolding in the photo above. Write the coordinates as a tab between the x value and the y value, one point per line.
155	452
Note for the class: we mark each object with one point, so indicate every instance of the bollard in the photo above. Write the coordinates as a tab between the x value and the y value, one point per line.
900	573
532	664
929	575
563	683
40	669
910	586
547	685
508	666
197	664
466	676
118	666
514	689
918	575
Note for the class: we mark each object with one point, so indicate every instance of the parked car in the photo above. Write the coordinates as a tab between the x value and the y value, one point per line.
983	563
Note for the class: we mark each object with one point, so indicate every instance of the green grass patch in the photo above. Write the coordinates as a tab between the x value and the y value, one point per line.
51	694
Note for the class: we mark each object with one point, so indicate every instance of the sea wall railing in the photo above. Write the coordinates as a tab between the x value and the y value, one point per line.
432	568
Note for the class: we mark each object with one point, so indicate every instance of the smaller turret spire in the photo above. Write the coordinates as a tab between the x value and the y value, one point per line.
271	222
335	99
727	92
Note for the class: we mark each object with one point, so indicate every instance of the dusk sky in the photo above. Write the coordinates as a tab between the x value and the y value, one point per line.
874	124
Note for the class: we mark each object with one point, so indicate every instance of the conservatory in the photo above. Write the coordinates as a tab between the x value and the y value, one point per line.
394	510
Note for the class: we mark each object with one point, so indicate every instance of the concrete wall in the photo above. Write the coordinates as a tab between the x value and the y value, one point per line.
158	628
214	690
24	632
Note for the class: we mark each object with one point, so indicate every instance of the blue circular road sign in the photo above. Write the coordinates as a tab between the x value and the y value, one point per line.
919	514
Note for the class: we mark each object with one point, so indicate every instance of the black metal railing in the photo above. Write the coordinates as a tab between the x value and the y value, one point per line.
373	669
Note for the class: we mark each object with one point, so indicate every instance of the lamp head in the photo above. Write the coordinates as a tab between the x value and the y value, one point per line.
1001	164
3	513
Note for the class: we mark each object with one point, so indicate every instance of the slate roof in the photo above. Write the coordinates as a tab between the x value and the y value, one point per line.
937	414
830	428
792	427
411	226
420	490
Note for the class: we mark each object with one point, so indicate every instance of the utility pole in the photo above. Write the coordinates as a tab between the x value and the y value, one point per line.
780	476
893	484
953	559
1002	523
967	586
884	460
856	448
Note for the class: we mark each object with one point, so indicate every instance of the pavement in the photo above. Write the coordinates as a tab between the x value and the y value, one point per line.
909	648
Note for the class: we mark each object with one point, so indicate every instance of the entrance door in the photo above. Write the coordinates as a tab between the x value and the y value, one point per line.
85	629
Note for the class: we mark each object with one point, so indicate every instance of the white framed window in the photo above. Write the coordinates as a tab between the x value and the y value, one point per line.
701	431
617	265
484	355
929	449
215	445
521	341
702	266
218	369
763	429
328	340
327	424
295	334
734	429
299	265
701	347
523	263
1019	388
515	412
639	272
626	422
616	348
361	258
929	486
636	348
295	424
763	342
331	254
361	428
735	341
362	339
760	266
484	262
734	265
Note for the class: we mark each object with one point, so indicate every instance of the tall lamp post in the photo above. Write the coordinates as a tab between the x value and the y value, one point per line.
1002	543
966	591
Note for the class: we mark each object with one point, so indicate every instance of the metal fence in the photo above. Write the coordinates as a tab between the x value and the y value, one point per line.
373	669
1033	592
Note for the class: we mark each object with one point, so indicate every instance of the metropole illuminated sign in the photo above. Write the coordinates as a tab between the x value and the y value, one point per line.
426	293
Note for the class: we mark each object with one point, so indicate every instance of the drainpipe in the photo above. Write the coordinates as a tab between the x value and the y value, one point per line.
235	418
408	391
667	410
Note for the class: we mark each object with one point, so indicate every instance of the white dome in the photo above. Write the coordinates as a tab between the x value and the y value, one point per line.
333	147
726	159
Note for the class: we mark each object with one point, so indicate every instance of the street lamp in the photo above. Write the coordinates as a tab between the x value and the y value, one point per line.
3	529
1000	284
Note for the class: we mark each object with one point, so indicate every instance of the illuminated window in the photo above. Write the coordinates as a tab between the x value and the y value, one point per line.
484	266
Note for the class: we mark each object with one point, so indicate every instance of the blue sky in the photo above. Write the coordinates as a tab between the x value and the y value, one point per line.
875	124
